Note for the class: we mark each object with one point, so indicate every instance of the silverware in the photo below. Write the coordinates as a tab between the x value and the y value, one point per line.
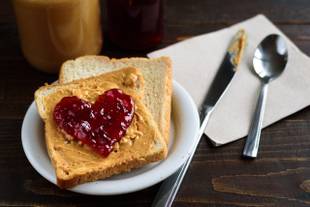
170	186
269	62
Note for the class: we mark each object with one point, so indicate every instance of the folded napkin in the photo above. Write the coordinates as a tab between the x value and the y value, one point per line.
196	61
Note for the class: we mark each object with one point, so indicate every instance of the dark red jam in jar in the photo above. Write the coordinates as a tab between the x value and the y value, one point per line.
98	125
135	24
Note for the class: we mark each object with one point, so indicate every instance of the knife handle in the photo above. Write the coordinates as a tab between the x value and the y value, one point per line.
169	188
252	141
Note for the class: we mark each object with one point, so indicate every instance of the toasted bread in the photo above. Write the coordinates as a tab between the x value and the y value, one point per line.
157	74
75	163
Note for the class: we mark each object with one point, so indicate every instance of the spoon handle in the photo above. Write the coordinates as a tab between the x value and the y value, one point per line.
252	141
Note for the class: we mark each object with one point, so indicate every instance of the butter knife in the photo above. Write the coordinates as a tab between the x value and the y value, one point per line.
226	71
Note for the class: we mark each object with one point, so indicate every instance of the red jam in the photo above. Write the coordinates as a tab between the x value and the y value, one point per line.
98	125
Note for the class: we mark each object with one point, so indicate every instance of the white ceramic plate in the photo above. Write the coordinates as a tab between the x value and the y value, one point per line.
185	124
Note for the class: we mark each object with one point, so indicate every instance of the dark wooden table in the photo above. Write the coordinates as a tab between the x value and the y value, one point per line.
217	176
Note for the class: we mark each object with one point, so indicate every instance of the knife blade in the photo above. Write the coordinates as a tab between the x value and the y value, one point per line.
223	77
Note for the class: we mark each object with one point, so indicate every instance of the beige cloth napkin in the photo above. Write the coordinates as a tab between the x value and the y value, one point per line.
195	63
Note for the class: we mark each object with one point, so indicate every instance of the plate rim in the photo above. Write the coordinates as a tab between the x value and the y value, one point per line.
92	187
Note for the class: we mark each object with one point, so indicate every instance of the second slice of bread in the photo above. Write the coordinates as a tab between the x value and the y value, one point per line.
157	73
75	163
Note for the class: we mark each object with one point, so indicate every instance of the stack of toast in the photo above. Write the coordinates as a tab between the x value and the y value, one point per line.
147	81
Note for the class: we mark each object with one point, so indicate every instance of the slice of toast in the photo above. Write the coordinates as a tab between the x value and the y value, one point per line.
156	72
75	163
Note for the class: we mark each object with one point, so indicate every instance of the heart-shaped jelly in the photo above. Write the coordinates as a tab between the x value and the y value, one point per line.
98	125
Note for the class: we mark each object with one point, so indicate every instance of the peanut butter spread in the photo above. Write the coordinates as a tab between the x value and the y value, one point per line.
237	47
70	155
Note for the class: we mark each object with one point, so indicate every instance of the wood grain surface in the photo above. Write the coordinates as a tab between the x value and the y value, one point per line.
280	176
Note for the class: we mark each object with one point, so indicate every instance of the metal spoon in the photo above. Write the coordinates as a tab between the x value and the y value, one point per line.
269	62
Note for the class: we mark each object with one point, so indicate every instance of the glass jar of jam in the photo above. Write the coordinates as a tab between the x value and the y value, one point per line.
52	31
135	24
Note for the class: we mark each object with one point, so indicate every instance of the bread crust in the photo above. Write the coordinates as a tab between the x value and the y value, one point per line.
165	127
115	170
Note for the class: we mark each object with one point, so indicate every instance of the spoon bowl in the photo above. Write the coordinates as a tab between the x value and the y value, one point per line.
270	57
